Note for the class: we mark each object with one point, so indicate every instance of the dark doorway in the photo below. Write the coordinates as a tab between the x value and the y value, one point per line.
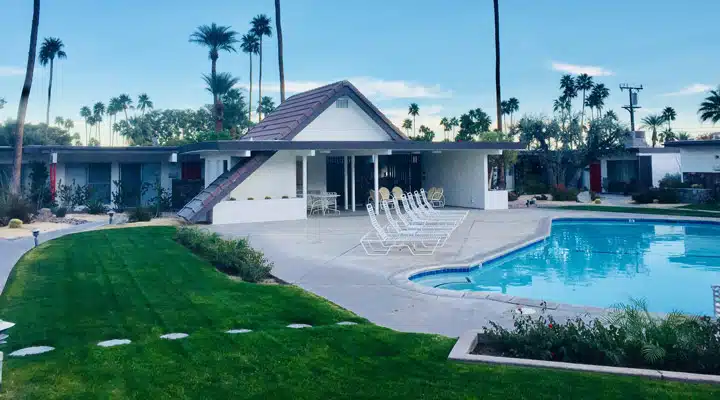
645	180
595	177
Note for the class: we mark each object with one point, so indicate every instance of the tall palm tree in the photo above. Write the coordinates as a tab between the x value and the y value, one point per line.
250	44
498	97
69	124
601	93
49	50
710	108
125	102
504	110
60	121
113	108
281	67
454	123
513	107
653	122
144	103
584	82
86	113
407	125
24	97
215	38
2	102
414	110
90	121
569	89
445	123
267	105
669	115
562	105
219	85
98	112
611	115
260	28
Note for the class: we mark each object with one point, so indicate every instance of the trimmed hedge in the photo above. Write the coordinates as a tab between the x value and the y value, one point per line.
234	257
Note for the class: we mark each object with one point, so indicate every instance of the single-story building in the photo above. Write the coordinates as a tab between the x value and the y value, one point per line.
700	161
329	139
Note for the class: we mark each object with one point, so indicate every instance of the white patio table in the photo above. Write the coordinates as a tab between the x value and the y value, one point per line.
325	199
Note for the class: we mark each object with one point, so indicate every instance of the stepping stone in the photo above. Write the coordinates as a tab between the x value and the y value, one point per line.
299	326
346	323
30	351
114	342
174	336
239	331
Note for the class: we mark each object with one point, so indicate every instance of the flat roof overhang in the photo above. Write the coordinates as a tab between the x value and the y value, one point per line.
395	146
693	143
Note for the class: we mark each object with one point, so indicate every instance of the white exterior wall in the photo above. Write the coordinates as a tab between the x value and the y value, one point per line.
275	178
463	177
706	159
663	164
335	124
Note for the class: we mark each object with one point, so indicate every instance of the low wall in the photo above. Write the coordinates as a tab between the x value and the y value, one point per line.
243	211
695	196
496	200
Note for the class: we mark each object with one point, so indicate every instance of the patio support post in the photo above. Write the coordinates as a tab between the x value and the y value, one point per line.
345	176
352	179
304	174
376	161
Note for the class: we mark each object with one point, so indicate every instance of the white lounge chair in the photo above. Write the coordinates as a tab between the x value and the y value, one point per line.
423	200
716	300
415	230
407	222
380	242
415	218
422	212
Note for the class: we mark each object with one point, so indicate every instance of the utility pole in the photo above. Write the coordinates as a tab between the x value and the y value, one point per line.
632	104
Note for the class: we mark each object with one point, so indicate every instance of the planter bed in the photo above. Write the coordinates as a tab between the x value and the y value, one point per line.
470	343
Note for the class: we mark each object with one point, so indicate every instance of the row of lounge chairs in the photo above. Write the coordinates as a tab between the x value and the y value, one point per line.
435	196
417	225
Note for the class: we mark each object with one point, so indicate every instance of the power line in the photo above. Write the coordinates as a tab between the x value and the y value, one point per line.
632	105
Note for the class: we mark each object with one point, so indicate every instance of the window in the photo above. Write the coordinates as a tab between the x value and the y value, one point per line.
341	103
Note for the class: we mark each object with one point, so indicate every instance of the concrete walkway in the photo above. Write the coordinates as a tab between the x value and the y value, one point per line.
12	249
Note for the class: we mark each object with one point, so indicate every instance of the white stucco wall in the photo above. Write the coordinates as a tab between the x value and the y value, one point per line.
463	177
663	164
336	124
705	159
275	178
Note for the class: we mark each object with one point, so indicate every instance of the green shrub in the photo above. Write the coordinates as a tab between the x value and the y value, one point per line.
250	198
644	197
234	257
14	207
534	187
268	197
512	196
597	201
139	214
60	212
672	181
286	197
95	207
15	223
629	337
668	196
696	186
563	194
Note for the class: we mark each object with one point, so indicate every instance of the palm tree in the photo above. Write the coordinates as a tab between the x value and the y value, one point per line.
267	105
69	124
250	44
60	121
653	122
125	102
98	112
683	136
584	82
562	105
667	135
710	108
669	115
592	102
2	102
445	123
513	107
90	121
601	92
113	108
504	110
49	49
414	110
569	89
144	103
219	85
281	68
216	38
86	113
260	27
407	125
498	97
24	97
611	115
454	123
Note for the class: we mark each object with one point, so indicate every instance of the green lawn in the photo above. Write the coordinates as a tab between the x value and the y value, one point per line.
707	207
643	210
137	284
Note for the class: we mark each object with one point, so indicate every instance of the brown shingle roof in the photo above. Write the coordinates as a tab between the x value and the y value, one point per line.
299	110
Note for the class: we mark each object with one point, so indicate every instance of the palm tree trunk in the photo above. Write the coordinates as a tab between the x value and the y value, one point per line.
278	28
86	132
47	114
498	98
24	97
511	119
126	117
414	132
250	103
260	84
582	114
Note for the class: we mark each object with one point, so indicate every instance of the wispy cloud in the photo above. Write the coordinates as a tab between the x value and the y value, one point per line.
695	88
574	69
11	71
379	89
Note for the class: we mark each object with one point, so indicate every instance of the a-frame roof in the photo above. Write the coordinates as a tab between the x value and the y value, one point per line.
292	116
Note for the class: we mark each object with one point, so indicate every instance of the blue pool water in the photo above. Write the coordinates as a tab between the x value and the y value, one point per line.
600	263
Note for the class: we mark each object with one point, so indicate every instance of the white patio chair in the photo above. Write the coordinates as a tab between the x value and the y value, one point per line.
716	300
404	220
414	230
415	218
380	242
422	212
423	201
436	197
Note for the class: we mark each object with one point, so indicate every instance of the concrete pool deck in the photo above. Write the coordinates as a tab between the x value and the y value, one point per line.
323	256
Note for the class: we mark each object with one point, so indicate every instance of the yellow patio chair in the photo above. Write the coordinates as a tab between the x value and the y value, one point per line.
397	192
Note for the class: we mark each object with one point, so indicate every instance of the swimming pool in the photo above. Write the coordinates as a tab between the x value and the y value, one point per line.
599	263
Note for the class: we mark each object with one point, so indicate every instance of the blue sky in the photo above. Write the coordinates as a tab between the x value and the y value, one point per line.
437	53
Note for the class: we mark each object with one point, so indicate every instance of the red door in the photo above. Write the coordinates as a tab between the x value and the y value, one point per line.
595	178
